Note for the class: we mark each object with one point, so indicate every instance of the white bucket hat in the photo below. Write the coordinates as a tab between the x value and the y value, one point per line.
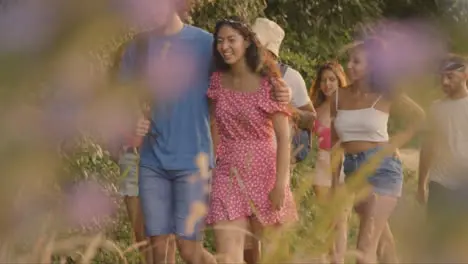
269	34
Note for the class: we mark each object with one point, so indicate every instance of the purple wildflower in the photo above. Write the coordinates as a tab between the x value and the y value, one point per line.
86	202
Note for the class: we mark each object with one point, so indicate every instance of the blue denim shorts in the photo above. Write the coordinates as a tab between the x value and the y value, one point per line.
128	164
387	179
173	202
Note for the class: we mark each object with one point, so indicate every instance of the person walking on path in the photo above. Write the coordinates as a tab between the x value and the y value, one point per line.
360	117
443	167
176	69
251	179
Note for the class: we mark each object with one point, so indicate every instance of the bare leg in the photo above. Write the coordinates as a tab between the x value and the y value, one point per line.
171	250
163	249
251	248
256	240
339	247
386	251
321	192
374	213
193	252
230	240
136	219
250	255
270	242
341	238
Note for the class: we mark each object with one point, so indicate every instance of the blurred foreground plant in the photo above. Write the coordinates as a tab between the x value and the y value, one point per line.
58	196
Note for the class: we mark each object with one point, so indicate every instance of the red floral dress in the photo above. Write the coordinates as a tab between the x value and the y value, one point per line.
245	170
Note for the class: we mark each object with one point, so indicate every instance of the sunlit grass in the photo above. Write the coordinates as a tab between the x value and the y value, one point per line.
70	76
307	241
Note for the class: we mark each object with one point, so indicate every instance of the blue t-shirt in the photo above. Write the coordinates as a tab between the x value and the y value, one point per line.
180	79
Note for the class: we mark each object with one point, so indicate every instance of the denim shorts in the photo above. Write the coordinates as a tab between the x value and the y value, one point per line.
173	202
128	164
387	179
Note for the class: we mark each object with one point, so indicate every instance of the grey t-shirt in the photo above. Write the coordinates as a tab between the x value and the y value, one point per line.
449	122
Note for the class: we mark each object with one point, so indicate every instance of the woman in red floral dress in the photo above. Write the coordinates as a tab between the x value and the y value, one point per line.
251	179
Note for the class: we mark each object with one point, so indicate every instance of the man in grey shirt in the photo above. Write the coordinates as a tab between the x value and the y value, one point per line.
443	168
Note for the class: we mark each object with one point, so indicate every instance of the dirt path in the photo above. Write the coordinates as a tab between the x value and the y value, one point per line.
410	158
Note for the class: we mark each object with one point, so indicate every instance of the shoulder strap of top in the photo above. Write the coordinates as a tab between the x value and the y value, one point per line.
376	101
336	99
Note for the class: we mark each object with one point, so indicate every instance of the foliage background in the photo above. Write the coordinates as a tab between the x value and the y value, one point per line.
88	38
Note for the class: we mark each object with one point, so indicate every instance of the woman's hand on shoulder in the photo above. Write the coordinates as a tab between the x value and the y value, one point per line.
281	91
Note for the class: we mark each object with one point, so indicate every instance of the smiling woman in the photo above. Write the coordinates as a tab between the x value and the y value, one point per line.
233	41
251	180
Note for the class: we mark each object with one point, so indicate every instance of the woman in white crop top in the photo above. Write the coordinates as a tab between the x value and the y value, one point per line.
360	115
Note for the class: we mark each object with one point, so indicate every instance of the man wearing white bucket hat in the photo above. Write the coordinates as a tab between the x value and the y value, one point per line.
271	36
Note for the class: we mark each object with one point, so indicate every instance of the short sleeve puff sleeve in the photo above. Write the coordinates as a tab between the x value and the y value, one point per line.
214	88
267	103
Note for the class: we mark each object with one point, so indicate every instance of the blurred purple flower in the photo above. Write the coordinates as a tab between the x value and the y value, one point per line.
75	107
171	71
22	119
70	113
61	118
144	13
72	93
112	120
413	45
86	202
28	25
411	48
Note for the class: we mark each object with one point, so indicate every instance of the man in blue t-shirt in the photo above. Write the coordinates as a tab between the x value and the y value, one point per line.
173	194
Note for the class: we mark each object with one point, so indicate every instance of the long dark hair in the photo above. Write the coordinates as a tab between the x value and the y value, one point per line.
380	79
254	54
316	94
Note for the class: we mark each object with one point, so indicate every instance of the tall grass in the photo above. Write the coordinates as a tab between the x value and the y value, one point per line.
58	190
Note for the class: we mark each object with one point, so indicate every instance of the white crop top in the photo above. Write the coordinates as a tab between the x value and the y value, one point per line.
367	124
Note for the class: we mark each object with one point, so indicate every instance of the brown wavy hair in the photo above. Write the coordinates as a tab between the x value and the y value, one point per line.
254	54
316	94
381	79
